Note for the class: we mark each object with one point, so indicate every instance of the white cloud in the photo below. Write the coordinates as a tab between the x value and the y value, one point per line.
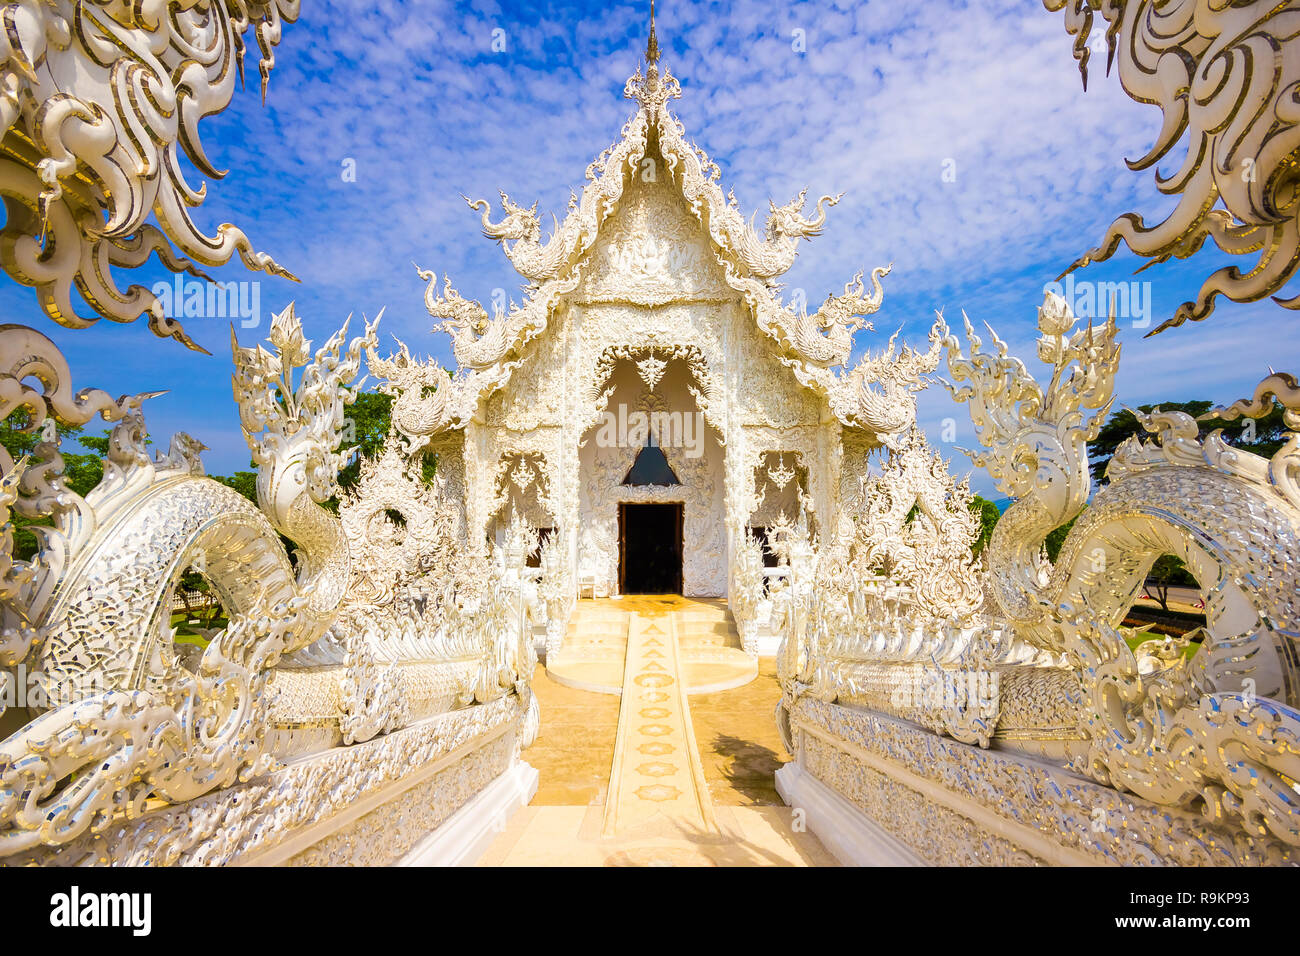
885	93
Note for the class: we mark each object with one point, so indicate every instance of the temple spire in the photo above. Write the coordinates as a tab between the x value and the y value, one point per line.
652	44
652	90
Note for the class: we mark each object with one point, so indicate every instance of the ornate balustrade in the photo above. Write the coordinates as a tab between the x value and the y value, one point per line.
1210	744
324	655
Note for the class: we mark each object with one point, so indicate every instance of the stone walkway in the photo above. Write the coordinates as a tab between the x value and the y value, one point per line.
633	781
657	782
709	653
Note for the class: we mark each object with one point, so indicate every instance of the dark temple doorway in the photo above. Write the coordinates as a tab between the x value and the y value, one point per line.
650	548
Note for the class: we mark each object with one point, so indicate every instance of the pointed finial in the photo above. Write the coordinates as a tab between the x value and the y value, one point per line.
652	44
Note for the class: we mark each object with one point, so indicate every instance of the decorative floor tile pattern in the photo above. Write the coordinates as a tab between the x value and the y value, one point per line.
709	655
734	739
671	790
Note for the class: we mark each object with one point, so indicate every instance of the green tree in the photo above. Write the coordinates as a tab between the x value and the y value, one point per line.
367	421
1057	537
1261	436
371	420
1167	572
81	472
19	442
1123	425
988	513
96	443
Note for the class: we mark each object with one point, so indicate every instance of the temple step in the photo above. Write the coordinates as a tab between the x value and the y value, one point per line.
593	654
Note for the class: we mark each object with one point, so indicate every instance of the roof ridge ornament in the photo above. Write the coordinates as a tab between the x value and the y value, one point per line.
652	90
652	44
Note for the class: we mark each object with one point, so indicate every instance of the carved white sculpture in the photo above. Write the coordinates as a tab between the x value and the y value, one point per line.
1210	746
400	609
189	734
111	562
95	100
653	271
1050	663
931	552
1230	515
1224	76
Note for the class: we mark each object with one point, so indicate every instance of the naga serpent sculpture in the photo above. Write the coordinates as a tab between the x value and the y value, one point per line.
126	721
172	518
1222	730
825	338
420	392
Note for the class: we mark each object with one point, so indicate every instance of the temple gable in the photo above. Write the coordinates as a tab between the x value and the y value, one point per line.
652	250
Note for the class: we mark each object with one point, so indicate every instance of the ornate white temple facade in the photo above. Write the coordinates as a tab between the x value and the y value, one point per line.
653	316
648	418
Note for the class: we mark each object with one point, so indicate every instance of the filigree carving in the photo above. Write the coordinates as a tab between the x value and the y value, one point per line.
747	591
1224	75
1076	813
373	701
651	370
131	722
556	588
930	553
292	432
17	633
878	393
781	475
1229	515
422	403
477	341
96	102
242	822
75	768
825	338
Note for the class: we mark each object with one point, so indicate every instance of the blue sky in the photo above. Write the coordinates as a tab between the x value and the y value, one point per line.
883	99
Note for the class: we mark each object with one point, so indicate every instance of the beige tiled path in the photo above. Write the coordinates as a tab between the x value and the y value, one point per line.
595	646
735	818
657	782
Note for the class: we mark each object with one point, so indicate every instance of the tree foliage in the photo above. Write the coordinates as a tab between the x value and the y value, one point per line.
1167	572
96	443
367	421
1262	436
81	472
1052	543
988	513
366	427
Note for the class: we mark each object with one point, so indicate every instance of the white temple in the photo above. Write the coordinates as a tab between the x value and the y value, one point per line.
654	332
653	420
